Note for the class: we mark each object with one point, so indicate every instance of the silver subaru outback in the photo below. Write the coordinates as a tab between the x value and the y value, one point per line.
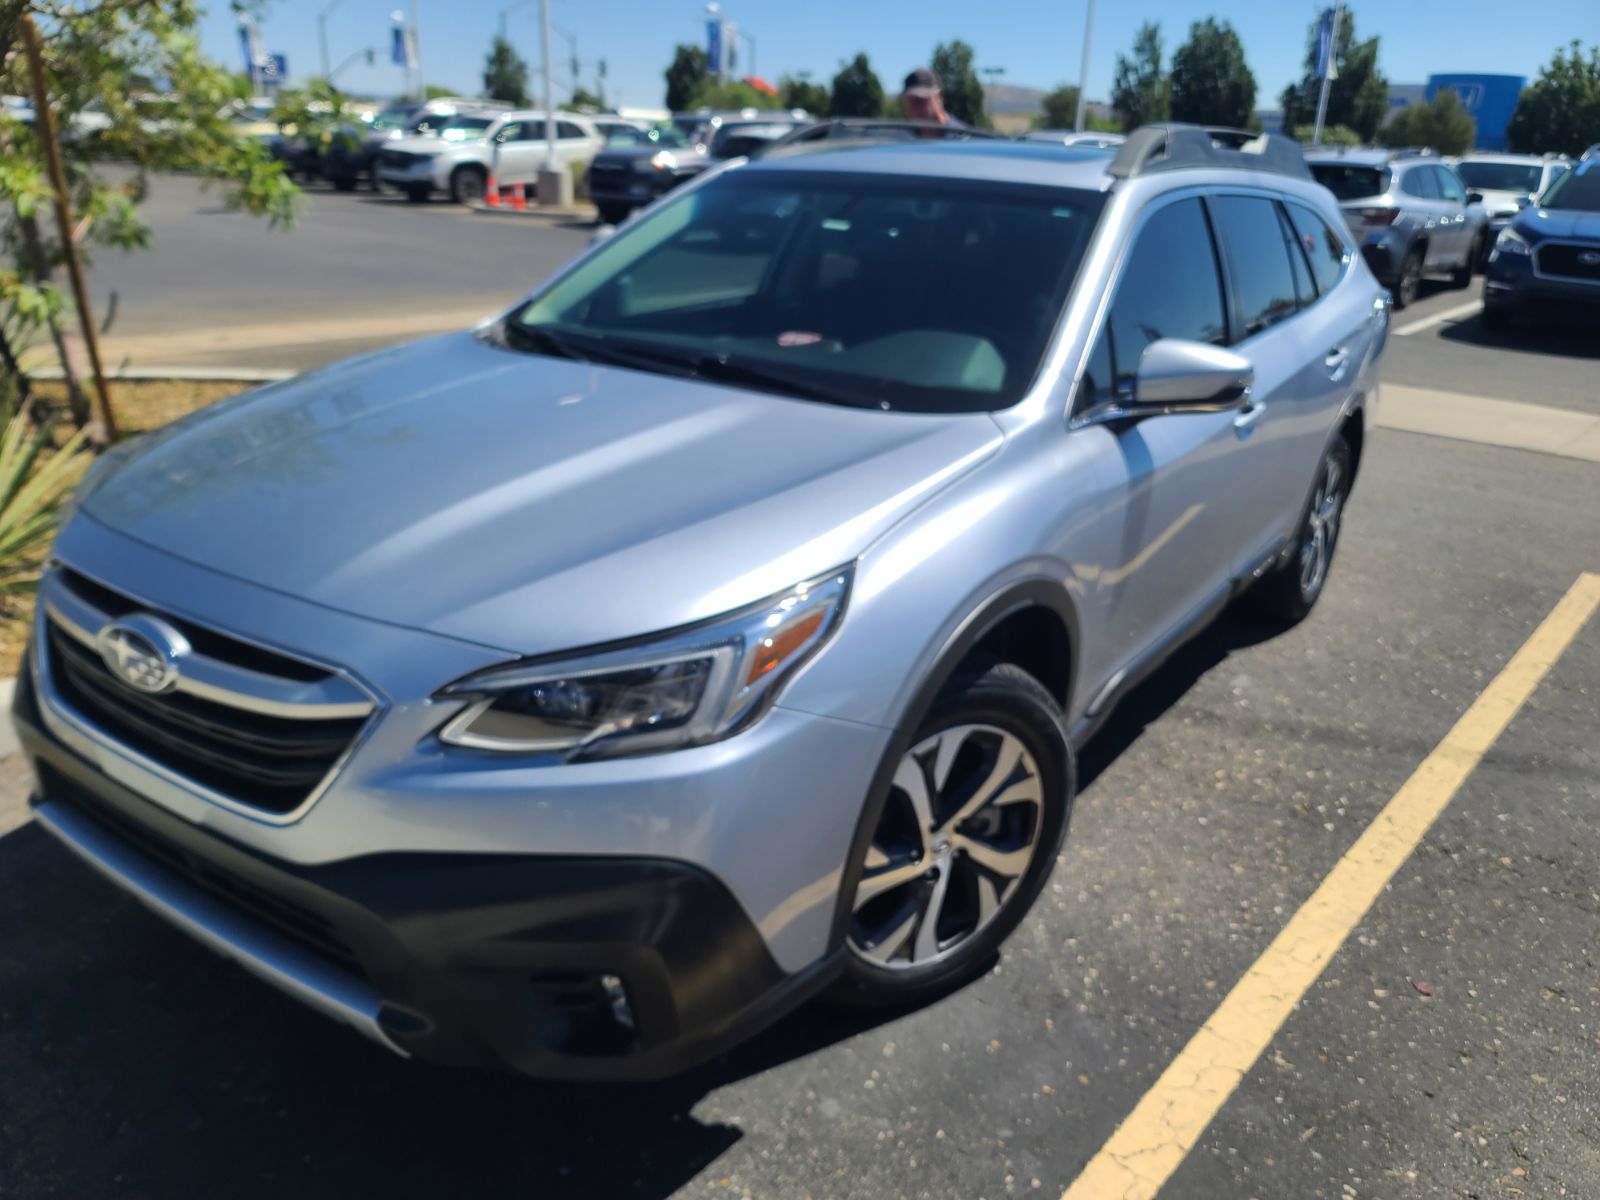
579	693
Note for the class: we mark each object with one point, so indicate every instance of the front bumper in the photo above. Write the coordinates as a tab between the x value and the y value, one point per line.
631	188
558	966
1511	283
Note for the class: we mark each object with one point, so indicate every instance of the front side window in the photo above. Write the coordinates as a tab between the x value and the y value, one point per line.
1325	249
1263	281
1420	183
886	292
1449	186
1170	288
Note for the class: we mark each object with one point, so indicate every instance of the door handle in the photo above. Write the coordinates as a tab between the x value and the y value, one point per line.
1335	361
1249	415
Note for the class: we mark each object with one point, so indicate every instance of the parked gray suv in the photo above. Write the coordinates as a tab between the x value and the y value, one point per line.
1410	213
581	692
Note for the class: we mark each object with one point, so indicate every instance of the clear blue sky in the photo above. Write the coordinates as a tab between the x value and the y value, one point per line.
1039	43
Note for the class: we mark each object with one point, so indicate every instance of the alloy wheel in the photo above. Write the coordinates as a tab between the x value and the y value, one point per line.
957	836
1322	527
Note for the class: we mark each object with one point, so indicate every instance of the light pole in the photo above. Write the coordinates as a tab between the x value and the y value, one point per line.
416	51
1083	71
549	91
1327	74
322	31
507	11
745	37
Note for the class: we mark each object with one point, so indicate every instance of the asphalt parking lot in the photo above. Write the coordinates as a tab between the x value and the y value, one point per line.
1446	1049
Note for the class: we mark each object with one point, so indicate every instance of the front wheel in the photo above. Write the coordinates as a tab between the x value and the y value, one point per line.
1288	594
972	824
417	193
468	185
1462	276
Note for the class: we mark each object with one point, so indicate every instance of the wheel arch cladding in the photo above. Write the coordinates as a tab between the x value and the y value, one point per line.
1354	432
1006	621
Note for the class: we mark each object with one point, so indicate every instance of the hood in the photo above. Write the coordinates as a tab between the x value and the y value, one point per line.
432	146
528	503
1538	223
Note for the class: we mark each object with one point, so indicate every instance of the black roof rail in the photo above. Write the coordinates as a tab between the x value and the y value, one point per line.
876	129
1152	148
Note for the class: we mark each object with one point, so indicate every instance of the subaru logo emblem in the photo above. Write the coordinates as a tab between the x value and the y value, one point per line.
143	652
1590	258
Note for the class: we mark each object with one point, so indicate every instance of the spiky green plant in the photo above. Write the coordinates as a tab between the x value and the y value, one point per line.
36	478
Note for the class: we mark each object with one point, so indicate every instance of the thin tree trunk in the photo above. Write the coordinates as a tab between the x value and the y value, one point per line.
77	399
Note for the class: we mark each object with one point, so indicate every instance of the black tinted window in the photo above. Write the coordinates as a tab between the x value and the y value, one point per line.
566	129
1449	185
1258	255
1324	248
1351	182
1419	182
1170	288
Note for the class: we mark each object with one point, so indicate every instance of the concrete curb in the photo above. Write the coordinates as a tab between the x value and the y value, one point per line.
586	212
8	734
187	374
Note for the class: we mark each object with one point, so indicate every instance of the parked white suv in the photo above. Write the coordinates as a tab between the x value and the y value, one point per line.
518	144
453	158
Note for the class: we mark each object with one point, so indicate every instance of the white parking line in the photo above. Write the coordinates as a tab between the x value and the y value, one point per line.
1459	313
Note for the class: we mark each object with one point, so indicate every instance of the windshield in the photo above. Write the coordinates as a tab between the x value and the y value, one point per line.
732	141
464	129
1348	182
1500	177
394	117
895	293
1577	191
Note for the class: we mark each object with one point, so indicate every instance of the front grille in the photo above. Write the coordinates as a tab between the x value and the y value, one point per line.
308	929
231	741
398	159
606	174
1566	260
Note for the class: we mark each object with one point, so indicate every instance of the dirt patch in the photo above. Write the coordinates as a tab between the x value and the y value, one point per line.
140	405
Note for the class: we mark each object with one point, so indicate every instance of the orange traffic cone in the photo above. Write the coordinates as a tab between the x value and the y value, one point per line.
519	198
491	193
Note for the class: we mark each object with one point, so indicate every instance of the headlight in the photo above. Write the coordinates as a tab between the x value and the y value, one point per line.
1509	242
661	160
687	688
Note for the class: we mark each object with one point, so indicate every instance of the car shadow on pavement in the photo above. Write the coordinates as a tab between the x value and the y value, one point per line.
135	1062
1558	334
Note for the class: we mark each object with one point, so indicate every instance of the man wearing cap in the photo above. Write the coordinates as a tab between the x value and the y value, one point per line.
923	97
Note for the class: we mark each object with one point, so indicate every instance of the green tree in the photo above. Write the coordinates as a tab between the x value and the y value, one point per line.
1142	93
686	77
583	100
958	79
1332	135
1358	97
438	91
1060	108
802	93
1560	110
505	74
856	90
1442	125
1211	84
94	55
734	95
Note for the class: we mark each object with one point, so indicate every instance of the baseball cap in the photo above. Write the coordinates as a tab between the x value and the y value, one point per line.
922	82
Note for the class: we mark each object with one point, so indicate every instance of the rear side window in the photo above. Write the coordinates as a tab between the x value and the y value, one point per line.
1258	256
1419	182
1351	182
1324	248
1170	289
1305	291
566	129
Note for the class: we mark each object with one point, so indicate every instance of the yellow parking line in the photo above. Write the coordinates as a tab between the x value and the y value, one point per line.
1148	1146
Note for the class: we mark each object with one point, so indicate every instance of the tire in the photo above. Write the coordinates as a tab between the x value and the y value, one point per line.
613	214
344	183
1287	595
1409	279
417	193
468	184
959	869
1462	276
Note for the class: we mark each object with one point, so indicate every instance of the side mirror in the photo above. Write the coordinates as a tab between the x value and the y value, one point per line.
1524	201
1474	197
1182	376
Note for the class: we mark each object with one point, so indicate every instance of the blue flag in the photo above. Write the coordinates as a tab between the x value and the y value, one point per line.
714	45
402	53
1325	67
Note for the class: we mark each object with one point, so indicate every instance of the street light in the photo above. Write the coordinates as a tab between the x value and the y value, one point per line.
1083	71
322	31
